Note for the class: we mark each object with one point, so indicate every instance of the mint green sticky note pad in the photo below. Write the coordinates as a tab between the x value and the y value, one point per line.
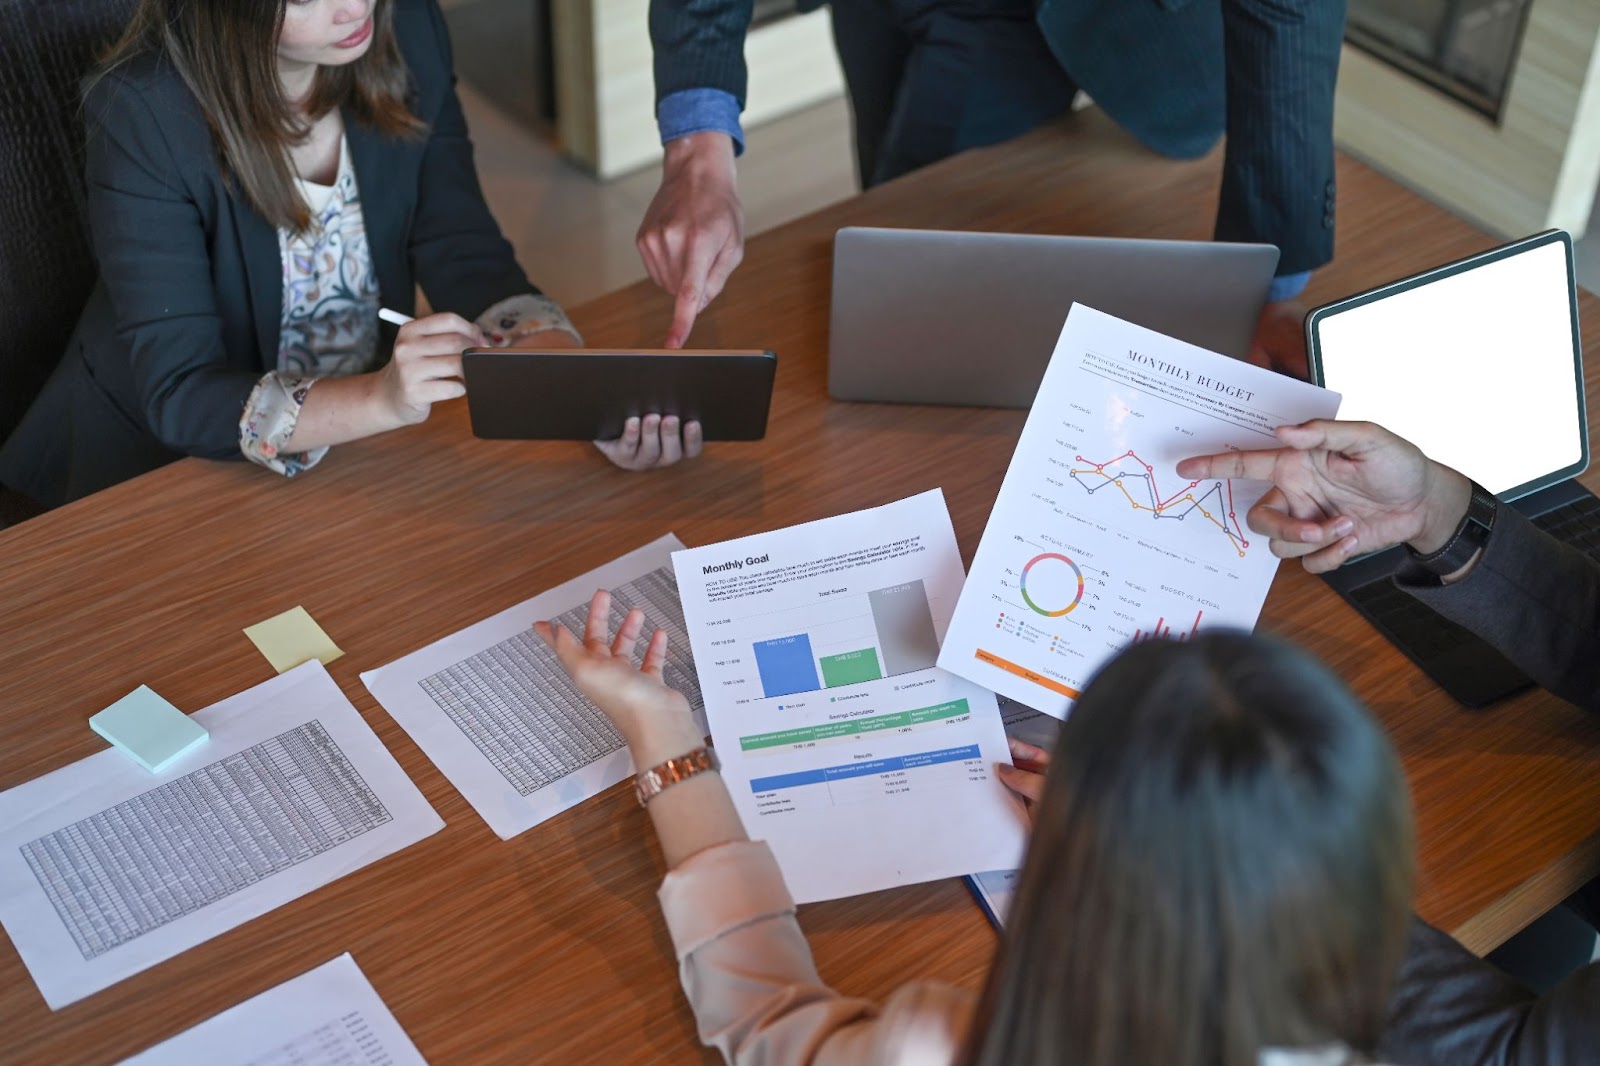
148	729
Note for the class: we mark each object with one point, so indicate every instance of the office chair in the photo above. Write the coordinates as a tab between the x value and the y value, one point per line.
46	265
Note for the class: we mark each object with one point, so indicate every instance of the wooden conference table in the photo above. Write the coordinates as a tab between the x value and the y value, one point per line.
549	947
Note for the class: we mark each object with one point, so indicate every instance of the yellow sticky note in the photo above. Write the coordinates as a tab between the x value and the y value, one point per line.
292	638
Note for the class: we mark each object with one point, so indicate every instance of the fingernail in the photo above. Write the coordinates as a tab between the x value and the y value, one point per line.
1344	527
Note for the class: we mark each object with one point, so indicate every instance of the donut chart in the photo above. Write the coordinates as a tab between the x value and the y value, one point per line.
1050	583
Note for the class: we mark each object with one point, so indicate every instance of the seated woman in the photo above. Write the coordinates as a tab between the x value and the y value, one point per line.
1220	875
263	175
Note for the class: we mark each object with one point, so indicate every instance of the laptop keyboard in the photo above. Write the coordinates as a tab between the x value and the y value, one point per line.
1427	635
1577	523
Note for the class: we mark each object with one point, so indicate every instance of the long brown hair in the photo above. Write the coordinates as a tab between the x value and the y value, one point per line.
226	53
1222	862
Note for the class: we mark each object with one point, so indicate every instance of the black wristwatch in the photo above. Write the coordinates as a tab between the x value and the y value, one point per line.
1468	539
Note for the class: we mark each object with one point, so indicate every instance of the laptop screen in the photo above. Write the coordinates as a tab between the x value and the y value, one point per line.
1477	363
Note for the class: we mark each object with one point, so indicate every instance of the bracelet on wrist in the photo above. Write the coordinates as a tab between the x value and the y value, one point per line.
659	778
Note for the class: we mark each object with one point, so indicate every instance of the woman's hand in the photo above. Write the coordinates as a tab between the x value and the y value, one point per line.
426	366
652	441
1026	778
654	719
538	339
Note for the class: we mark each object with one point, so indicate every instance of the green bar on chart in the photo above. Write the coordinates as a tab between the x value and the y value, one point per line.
850	668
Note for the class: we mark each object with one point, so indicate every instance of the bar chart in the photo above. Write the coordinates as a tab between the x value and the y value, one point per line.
882	633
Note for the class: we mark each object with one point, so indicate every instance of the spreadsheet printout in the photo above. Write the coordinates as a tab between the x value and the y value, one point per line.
107	869
329	1016
491	706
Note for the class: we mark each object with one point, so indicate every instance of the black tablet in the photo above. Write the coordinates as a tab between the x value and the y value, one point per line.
587	393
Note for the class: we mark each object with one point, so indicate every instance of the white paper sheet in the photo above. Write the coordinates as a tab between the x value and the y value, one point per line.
493	709
1094	540
995	889
107	869
862	764
330	1016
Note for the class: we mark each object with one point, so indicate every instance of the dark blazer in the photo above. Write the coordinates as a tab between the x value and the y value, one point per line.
1174	73
1537	601
185	317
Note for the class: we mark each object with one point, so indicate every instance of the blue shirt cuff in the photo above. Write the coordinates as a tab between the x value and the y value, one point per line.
700	111
1288	286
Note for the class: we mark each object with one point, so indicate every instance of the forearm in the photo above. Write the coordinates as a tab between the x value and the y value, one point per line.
692	815
1536	600
1451	1008
699	44
341	409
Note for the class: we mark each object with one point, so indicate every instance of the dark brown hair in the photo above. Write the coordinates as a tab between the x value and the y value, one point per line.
1222	861
226	53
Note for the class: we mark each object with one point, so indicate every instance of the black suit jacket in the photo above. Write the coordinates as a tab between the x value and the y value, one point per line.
1537	601
1175	73
186	314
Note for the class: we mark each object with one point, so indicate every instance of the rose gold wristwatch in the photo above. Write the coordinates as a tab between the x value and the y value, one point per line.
648	784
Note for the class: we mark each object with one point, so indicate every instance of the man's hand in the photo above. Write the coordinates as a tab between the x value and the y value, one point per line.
1280	340
1340	486
692	235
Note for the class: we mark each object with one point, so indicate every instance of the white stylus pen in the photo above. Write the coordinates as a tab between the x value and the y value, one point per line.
394	316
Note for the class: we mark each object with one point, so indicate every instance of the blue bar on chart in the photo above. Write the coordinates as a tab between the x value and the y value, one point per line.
786	665
861	769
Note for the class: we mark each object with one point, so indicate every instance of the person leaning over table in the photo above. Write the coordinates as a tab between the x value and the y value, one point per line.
930	78
262	176
1220	875
1343	488
1347	488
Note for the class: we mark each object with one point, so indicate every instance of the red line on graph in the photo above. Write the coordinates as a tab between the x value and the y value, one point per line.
1195	628
1236	533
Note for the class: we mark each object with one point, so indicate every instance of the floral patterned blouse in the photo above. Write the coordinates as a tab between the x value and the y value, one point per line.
330	318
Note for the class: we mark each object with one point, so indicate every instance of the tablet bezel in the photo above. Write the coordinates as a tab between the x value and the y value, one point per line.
730	390
1316	317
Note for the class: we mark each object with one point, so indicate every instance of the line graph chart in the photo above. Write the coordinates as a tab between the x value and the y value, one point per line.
1214	505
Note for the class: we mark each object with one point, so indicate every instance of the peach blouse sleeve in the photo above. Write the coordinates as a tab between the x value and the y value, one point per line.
755	992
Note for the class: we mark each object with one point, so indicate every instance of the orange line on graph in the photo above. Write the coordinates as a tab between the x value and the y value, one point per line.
1183	496
1027	675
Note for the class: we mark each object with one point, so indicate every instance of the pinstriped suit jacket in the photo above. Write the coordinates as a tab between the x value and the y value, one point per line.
1174	73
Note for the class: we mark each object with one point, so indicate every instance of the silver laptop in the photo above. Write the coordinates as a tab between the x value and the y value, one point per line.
1480	364
929	316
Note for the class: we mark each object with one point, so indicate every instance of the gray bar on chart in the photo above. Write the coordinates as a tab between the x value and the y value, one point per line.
904	622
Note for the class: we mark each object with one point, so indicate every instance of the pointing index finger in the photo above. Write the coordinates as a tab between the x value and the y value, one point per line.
1253	466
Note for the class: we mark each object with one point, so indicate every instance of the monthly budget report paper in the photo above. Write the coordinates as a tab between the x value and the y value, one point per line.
107	869
861	763
1094	541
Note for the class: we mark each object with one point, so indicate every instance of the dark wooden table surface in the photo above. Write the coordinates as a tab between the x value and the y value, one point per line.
549	947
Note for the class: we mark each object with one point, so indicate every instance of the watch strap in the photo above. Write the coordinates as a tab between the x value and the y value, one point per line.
663	776
1470	536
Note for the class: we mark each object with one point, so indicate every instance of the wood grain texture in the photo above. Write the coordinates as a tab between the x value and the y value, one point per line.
549	947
